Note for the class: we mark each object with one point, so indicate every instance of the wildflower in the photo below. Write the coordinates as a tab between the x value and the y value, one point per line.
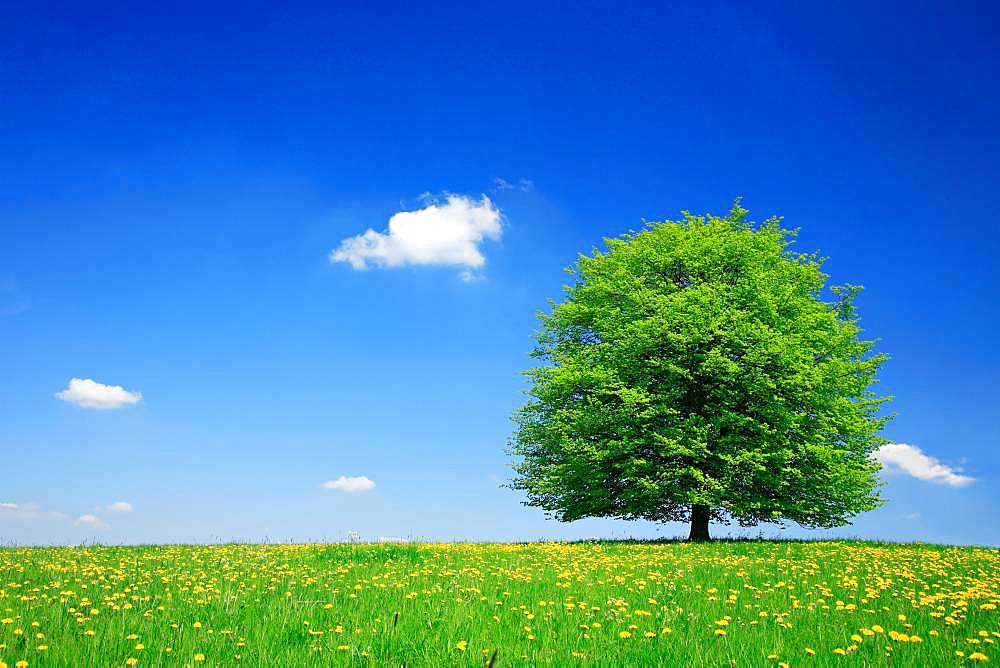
199	657
978	656
810	651
461	645
624	634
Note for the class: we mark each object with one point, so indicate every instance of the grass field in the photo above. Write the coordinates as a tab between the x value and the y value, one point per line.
672	604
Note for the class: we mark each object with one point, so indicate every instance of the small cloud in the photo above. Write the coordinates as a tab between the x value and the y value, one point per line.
524	185
448	233
91	394
116	507
344	483
912	461
91	521
28	511
911	516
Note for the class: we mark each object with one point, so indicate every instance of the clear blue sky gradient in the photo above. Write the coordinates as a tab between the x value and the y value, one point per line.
172	181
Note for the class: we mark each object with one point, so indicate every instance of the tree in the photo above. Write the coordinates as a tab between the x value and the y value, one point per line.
701	370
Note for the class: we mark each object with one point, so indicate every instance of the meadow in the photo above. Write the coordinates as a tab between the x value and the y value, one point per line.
752	603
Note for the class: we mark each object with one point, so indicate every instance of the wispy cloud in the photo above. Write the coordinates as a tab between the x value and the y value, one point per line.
441	233
28	511
91	394
911	460
524	185
345	483
116	507
91	521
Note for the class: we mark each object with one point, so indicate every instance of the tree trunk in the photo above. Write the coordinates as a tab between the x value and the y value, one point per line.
699	523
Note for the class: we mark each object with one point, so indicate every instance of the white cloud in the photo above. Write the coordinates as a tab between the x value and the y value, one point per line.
912	461
911	516
91	521
116	507
345	483
91	394
446	233
28	511
524	185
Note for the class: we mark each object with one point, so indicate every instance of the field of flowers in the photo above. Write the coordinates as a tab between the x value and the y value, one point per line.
669	604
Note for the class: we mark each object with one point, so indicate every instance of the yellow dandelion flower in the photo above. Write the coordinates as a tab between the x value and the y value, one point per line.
624	634
461	645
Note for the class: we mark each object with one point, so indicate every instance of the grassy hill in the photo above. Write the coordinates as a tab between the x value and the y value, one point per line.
601	603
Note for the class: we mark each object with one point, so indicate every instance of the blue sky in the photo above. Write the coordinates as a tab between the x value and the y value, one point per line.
175	185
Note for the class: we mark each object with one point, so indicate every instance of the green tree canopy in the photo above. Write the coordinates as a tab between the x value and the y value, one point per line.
701	369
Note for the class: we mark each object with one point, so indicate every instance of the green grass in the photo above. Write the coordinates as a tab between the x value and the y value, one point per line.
533	604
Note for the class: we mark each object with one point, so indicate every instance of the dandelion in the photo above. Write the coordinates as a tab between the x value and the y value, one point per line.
461	645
